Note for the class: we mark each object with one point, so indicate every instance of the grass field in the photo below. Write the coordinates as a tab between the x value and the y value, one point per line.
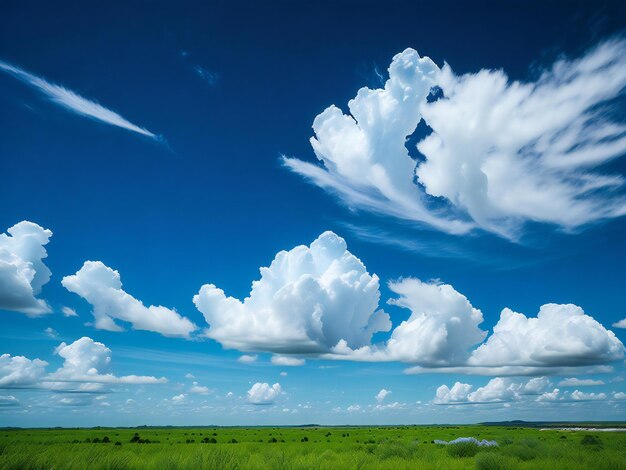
310	447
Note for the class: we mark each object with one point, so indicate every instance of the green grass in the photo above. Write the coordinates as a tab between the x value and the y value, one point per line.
401	447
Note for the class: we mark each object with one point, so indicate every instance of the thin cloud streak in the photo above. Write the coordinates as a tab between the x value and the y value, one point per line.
74	102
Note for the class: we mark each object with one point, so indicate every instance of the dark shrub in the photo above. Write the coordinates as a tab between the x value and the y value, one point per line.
118	443
233	441
106	439
273	439
590	440
135	438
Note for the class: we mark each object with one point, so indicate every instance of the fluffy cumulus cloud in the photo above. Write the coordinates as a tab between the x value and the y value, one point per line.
498	389
380	396
577	395
19	371
501	152
86	363
441	330
86	360
22	271
263	393
560	336
101	286
309	299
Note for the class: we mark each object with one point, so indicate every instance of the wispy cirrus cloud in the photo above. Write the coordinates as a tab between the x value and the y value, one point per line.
73	102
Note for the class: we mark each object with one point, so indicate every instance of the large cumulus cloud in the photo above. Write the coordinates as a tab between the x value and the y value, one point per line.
498	389
441	331
22	271
501	152
306	301
101	286
560	336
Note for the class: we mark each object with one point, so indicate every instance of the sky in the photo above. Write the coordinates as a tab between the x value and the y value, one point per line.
230	213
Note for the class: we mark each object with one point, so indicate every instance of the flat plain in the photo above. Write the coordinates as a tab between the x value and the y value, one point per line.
388	447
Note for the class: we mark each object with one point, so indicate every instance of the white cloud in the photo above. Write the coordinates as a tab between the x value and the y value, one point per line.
264	394
442	328
619	396
69	312
508	152
353	408
576	382
308	300
283	374
320	301
380	396
101	286
199	389
560	336
501	153
74	102
85	369
457	394
190	376
287	361
496	390
51	332
177	399
19	371
22	271
620	324
441	331
550	396
86	360
248	358
577	395
364	155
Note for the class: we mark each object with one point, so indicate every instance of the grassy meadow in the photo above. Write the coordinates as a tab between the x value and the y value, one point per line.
393	447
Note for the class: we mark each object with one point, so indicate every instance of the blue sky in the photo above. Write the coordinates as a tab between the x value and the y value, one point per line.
172	144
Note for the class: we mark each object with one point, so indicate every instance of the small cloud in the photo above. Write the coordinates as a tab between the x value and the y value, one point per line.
248	358
576	382
52	333
69	312
190	376
620	324
199	389
283	374
177	399
287	361
264	394
380	396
